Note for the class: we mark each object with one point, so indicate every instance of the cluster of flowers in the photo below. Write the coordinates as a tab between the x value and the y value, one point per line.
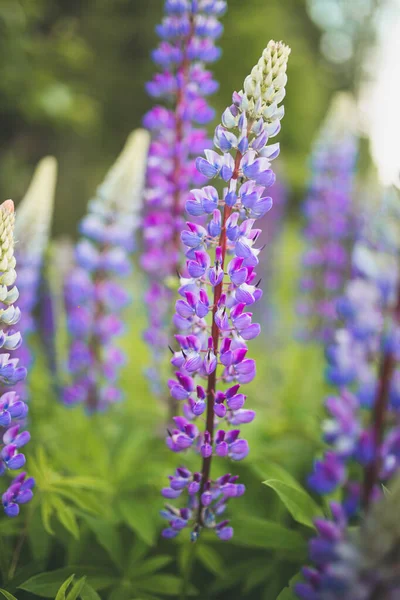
329	230
364	449
12	409
32	230
222	290
93	296
188	33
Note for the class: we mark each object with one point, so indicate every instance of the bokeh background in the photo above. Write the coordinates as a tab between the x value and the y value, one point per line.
72	76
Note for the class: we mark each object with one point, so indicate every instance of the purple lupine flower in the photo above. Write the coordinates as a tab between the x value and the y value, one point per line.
221	285
330	227
188	33
12	408
363	429
94	297
32	229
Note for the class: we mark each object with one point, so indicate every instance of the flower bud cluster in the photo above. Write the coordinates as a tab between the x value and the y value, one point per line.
94	297
12	409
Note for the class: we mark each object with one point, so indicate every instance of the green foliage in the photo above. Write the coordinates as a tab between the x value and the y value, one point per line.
300	504
7	595
93	531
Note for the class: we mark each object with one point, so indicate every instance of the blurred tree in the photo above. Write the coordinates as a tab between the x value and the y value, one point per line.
72	76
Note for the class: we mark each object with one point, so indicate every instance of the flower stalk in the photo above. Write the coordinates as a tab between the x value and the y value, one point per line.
212	314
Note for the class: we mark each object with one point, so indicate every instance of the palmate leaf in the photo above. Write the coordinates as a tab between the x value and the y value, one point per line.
298	502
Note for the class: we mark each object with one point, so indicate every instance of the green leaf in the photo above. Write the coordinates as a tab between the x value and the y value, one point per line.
47	511
77	588
287	593
7	595
300	504
151	565
88	593
64	587
47	584
108	537
140	518
82	498
210	559
260	533
168	585
121	592
272	470
65	515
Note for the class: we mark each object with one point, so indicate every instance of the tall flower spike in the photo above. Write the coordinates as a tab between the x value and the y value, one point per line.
93	295
12	409
32	230
188	33
216	294
330	225
363	430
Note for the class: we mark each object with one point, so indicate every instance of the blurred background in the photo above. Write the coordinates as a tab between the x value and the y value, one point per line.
72	76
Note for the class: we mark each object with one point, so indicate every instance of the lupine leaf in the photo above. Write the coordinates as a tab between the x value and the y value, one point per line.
140	518
272	470
108	537
121	592
300	504
47	584
151	565
210	559
168	585
88	593
287	593
65	515
77	588
260	533
82	498
61	592
47	511
7	595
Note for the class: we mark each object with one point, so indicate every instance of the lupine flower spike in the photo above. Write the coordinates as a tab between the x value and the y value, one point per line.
330	225
12	409
32	230
363	428
220	284
188	33
93	295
